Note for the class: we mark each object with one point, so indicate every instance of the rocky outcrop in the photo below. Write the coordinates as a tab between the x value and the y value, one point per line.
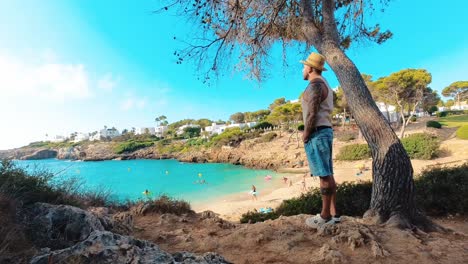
41	154
71	153
120	222
106	247
58	226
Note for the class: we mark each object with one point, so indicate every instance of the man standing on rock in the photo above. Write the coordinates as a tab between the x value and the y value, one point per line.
317	106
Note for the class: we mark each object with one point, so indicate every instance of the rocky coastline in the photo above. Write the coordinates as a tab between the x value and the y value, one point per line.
270	155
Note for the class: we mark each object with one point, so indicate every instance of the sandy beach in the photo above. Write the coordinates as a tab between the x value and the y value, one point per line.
232	207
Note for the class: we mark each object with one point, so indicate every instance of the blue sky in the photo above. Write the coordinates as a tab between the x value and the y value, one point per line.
77	65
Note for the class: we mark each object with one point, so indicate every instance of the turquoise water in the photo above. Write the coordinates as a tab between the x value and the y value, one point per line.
128	179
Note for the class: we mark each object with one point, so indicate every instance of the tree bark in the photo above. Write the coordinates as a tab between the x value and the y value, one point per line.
392	198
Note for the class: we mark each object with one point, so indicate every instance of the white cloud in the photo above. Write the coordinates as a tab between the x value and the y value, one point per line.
108	82
53	81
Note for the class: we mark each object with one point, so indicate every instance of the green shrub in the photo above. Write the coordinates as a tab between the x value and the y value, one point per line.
433	124
253	217
263	125
230	137
462	132
354	152
449	113
165	205
438	191
42	186
413	118
268	137
131	146
300	127
346	136
433	109
442	191
421	146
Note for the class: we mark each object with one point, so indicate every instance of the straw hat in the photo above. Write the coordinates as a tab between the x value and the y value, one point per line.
316	61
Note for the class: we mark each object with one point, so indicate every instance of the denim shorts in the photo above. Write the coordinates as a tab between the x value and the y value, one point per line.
319	152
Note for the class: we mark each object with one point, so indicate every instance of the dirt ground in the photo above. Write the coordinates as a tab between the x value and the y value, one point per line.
288	240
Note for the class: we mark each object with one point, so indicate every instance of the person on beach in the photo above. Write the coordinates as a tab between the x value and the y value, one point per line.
285	180
317	106
290	183
254	193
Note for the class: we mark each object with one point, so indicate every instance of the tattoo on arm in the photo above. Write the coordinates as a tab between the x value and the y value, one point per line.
313	97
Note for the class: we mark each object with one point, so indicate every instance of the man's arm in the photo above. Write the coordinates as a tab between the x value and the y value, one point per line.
312	96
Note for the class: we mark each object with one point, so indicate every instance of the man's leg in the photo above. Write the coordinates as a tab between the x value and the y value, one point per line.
333	198
326	188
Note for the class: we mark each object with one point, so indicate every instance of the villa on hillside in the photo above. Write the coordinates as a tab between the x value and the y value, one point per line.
81	137
160	130
215	128
144	130
57	139
218	129
105	133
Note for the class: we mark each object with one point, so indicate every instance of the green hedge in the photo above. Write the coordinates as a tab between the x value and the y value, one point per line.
354	152
449	113
418	146
421	146
438	191
433	124
462	132
131	146
442	191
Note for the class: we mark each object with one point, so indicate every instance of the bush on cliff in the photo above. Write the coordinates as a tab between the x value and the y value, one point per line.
439	191
131	146
230	137
43	186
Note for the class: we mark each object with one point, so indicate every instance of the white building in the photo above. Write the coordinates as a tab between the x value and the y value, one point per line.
160	130
106	133
215	128
81	137
180	131
57	138
389	112
463	105
145	130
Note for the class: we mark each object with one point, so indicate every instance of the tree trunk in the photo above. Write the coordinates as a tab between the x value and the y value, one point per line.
343	120
392	198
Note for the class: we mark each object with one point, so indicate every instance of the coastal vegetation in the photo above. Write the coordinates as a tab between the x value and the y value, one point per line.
418	146
439	191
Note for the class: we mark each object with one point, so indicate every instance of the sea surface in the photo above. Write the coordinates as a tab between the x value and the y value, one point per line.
128	179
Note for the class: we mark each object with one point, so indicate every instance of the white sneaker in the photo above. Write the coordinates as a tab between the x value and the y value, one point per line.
336	219
317	221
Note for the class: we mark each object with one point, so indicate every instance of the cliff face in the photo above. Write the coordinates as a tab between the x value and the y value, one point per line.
41	154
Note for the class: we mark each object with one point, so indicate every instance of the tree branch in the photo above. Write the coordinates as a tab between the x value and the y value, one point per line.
311	31
329	23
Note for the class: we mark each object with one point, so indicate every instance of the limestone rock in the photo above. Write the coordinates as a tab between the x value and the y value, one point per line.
58	226
106	247
41	154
